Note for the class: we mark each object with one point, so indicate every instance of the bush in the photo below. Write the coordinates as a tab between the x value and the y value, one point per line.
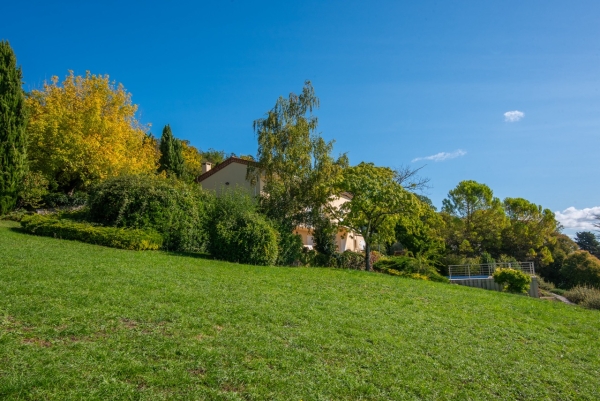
33	190
59	199
545	285
512	280
289	247
237	232
558	291
50	226
409	267
581	293
351	260
580	268
176	210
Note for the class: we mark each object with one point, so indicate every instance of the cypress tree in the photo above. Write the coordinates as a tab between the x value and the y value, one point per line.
13	121
171	153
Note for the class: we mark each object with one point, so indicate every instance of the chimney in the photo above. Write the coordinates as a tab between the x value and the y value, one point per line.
206	166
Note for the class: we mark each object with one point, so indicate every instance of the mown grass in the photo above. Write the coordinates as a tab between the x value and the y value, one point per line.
79	321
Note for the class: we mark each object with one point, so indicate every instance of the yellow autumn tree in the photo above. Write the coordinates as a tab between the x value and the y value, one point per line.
192	159
85	130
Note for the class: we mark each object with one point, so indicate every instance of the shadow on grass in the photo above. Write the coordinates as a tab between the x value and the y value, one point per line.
19	230
190	255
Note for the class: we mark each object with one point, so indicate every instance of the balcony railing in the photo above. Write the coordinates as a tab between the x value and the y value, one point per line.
482	271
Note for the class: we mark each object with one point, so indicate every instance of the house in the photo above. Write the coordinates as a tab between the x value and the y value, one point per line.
233	173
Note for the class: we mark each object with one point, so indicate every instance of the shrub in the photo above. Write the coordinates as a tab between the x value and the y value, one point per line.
512	280
51	226
580	268
33	190
289	247
351	260
409	267
558	291
324	235
59	199
581	293
592	302
237	232
545	285
176	210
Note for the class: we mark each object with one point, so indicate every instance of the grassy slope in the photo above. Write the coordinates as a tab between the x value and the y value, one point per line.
85	322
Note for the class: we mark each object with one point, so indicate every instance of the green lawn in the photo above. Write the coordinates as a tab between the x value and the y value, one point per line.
79	321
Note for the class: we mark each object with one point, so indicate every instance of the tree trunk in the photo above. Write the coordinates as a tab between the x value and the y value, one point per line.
367	256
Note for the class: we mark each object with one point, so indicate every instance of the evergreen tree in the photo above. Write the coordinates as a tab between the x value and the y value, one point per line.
171	149
588	242
13	121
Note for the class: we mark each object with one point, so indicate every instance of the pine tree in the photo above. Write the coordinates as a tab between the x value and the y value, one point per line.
13	121
171	158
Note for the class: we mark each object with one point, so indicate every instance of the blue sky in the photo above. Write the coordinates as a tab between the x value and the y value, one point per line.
397	81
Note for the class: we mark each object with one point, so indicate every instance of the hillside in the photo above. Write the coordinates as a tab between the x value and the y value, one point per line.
79	321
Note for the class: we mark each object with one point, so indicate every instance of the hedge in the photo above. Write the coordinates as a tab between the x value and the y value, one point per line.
409	267
174	209
51	226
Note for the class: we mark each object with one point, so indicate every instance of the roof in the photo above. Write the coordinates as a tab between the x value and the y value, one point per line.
224	164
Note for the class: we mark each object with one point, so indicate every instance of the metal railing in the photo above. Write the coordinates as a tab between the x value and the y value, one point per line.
458	272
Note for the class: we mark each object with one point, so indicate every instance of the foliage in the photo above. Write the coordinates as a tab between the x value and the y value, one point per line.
588	297
474	219
545	285
424	234
324	234
580	268
294	161
13	135
192	160
512	280
587	241
176	210
237	233
351	260
214	156
560	247
409	267
378	203
33	190
84	131
289	247
529	233
61	200
171	154
133	239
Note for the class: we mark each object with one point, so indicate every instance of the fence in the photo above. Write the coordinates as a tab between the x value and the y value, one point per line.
483	271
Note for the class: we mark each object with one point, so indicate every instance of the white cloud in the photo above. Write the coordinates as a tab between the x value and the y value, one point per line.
440	157
579	219
513	116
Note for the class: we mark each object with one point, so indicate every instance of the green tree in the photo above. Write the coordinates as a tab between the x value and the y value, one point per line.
13	122
171	154
581	268
378	204
587	241
474	220
294	161
423	235
529	232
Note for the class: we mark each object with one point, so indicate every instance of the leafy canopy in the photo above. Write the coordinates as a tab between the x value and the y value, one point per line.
84	130
378	203
294	161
